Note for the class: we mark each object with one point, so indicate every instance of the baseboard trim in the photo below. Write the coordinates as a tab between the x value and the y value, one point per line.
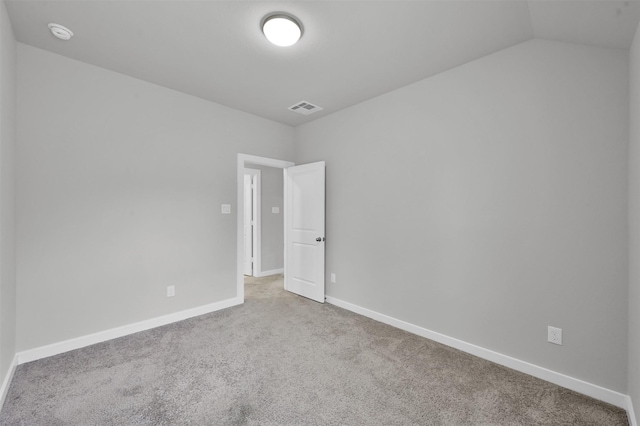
598	392
630	412
4	389
271	272
102	336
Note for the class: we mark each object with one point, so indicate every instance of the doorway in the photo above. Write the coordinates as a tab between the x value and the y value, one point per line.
263	221
250	161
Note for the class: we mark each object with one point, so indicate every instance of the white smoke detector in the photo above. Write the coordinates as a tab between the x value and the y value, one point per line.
63	33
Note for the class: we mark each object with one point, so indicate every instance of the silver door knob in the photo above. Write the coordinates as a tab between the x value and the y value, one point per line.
319	239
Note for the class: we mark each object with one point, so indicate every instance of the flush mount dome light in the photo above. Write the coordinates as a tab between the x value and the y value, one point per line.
61	32
281	29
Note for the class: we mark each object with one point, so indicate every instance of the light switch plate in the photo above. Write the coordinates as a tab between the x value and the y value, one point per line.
226	209
275	209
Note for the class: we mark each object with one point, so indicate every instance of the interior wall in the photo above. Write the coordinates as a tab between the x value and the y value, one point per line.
7	205
272	224
119	191
489	202
634	226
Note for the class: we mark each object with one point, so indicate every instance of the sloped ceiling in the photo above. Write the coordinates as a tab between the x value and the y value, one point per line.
350	51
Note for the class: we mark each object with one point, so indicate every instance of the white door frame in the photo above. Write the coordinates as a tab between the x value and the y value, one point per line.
256	252
243	159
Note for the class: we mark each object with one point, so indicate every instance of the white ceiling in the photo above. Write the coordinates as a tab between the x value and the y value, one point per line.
350	50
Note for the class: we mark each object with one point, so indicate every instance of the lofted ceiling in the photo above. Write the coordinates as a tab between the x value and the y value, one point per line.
350	50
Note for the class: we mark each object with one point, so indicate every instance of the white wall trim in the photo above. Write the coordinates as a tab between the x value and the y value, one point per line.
630	412
598	392
102	336
270	272
4	389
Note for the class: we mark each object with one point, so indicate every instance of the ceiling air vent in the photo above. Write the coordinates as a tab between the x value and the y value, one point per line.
304	107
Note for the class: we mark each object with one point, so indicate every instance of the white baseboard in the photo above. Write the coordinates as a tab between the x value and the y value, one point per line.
271	272
598	392
7	380
92	339
630	412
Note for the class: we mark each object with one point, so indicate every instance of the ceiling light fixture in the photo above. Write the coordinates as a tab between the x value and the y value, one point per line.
61	32
281	29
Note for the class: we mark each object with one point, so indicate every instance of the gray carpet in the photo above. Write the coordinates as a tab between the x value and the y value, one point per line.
280	359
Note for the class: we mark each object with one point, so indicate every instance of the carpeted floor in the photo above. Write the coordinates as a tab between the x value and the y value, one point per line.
280	359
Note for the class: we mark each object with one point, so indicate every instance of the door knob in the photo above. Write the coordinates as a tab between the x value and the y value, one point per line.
319	239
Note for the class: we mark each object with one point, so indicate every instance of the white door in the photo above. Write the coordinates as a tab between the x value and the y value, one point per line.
248	225
304	230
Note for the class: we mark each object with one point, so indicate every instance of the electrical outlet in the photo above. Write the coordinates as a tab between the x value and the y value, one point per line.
171	290
333	277
554	335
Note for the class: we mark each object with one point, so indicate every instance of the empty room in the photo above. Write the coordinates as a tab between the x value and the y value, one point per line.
420	212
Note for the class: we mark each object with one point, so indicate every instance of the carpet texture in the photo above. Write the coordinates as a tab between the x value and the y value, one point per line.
280	359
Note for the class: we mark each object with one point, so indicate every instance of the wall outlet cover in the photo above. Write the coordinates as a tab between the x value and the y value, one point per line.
171	290
554	335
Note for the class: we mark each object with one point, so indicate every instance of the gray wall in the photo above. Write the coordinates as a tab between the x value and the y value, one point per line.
7	222
634	226
119	188
272	224
488	202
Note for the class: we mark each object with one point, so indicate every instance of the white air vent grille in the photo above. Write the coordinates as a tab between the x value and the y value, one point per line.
305	108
